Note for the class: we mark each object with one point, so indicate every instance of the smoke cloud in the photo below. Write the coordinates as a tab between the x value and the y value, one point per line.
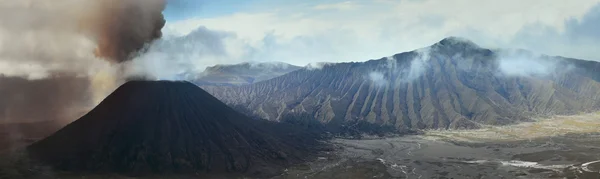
418	65
61	54
38	38
121	27
177	57
406	74
393	71
378	78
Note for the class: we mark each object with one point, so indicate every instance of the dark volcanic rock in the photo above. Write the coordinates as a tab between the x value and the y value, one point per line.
171	127
449	85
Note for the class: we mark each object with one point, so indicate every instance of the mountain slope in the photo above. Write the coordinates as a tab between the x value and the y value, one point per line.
165	127
451	84
243	73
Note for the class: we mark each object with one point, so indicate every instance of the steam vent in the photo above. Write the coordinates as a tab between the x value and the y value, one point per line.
171	127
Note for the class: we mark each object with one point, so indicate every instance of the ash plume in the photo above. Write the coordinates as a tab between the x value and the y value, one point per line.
61	54
122	27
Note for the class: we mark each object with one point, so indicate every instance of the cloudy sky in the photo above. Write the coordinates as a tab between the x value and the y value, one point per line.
307	31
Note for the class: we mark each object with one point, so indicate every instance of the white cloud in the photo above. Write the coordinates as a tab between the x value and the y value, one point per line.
316	66
525	67
373	29
346	5
30	71
579	39
517	63
176	58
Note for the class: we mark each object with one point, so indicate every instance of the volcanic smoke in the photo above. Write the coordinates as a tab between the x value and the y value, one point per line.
66	46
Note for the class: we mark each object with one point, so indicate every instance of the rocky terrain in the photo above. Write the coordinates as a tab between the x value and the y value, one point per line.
564	152
243	73
453	84
161	127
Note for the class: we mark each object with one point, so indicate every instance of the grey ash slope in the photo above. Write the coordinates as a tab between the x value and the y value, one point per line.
460	85
243	73
171	127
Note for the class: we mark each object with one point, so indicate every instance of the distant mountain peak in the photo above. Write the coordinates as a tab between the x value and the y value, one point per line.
248	65
457	41
243	73
451	84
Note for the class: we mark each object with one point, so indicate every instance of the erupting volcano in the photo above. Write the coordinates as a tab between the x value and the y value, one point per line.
171	127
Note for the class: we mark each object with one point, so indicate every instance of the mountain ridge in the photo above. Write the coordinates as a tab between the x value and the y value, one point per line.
243	73
452	84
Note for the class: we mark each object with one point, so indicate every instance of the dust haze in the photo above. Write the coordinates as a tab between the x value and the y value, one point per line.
62	55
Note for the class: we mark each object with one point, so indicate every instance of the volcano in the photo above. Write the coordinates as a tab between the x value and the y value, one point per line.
171	127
